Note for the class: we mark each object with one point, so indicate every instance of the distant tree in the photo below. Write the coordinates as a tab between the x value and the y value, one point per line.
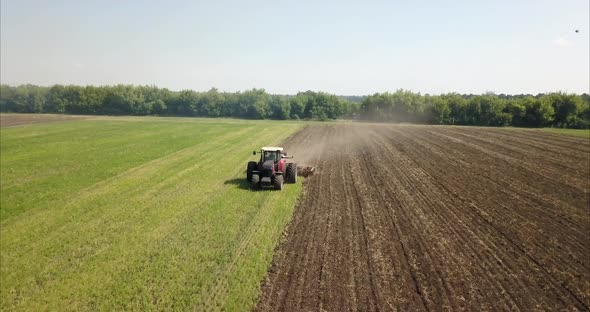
7	94
487	110
158	107
256	103
92	99
325	106
517	110
308	98
280	108
297	104
186	103
124	99
566	108
27	99
57	102
317	105
458	108
539	113
210	103
439	110
231	105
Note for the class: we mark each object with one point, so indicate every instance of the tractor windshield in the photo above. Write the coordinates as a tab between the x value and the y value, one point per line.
270	155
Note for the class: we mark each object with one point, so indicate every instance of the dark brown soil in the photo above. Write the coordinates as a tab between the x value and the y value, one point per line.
418	218
11	120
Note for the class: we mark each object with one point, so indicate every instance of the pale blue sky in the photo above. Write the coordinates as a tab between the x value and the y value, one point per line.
341	47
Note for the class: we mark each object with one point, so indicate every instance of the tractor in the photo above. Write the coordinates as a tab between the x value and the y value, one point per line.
272	169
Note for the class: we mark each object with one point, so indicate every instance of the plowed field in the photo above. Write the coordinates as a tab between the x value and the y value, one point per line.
418	218
11	120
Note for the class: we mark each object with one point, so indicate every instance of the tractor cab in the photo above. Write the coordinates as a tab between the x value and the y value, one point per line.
271	158
270	155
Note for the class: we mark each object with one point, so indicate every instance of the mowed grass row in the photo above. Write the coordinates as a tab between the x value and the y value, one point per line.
137	214
582	133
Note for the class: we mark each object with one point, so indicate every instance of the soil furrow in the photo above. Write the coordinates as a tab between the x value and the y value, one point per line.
415	218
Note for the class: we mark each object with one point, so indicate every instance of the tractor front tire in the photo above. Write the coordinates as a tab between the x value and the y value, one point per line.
251	167
278	184
291	173
255	181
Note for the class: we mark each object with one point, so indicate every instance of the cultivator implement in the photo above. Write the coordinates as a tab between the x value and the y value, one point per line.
305	171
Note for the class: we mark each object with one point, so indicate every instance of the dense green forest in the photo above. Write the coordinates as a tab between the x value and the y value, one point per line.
542	110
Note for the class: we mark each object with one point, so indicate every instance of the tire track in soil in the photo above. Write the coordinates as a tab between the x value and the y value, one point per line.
484	218
415	218
416	195
531	213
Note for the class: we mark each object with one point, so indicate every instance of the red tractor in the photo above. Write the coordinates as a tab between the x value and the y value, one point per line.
272	169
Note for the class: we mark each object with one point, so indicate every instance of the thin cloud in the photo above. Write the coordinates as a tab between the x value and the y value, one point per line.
562	42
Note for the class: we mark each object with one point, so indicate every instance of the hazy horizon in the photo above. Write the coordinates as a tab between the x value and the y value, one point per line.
523	47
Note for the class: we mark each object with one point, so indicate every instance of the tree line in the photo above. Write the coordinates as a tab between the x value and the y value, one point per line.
150	100
542	110
553	109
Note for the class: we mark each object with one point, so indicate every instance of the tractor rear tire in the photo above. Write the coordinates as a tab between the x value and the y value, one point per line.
278	182
251	167
291	173
255	181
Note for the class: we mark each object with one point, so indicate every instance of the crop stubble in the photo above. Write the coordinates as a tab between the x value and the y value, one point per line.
430	218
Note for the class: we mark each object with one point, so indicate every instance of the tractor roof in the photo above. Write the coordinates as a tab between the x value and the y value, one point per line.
272	148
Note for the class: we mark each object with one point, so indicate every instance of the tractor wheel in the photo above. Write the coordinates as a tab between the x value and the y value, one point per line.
278	182
255	181
251	167
291	173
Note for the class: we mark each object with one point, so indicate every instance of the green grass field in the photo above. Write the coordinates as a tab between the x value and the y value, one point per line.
136	214
582	133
